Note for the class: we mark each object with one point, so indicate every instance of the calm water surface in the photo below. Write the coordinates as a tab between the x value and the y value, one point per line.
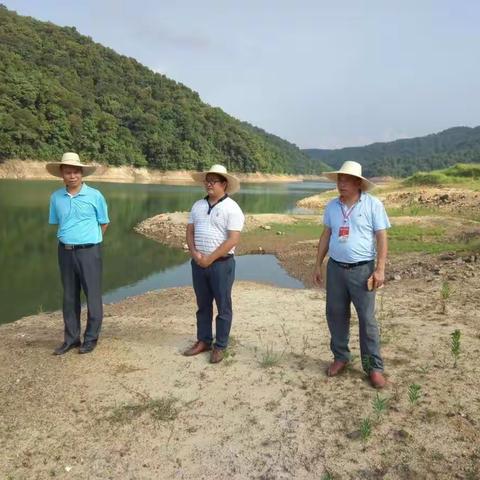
29	278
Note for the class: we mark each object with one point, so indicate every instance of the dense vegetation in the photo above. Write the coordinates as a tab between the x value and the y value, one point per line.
61	91
404	157
458	174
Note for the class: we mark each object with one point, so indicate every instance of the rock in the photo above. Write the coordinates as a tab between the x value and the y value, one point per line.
266	227
397	277
185	246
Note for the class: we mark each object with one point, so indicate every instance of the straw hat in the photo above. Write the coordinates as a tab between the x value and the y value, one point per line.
73	160
355	170
233	184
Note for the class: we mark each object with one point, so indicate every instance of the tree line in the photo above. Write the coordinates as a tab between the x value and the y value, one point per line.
61	91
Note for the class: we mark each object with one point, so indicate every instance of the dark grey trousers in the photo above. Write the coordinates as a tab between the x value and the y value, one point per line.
346	286
81	269
214	283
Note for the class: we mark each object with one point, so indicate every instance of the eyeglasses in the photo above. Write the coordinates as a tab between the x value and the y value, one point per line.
212	182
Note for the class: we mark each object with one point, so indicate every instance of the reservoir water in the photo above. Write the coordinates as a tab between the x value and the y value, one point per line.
29	279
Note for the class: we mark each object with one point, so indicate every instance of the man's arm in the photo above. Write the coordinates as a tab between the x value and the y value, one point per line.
190	237
382	248
321	252
104	227
222	249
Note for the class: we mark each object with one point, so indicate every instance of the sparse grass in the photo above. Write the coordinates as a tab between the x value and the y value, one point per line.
445	293
367	364
455	346
269	357
161	410
365	429
380	405
414	393
327	476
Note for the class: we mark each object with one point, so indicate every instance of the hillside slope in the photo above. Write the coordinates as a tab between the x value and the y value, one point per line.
59	90
407	156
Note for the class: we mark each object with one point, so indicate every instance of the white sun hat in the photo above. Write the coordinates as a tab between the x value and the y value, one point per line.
355	170
233	184
72	160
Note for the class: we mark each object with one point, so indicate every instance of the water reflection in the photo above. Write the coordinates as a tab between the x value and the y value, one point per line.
29	280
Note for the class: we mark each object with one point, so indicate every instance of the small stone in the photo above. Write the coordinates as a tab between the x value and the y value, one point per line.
185	246
397	277
266	227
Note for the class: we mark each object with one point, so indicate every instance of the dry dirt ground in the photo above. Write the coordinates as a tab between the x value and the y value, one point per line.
137	409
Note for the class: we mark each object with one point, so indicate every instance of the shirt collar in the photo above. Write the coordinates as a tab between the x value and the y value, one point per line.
210	206
362	194
82	191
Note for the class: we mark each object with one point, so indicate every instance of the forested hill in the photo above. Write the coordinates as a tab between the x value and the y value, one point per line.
407	156
60	91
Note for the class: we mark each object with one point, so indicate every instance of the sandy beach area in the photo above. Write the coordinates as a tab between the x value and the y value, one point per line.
137	409
35	170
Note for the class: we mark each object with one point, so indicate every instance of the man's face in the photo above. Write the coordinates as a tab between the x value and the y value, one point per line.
72	176
215	185
348	185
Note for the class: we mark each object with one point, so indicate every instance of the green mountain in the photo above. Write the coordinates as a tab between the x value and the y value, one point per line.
407	156
61	91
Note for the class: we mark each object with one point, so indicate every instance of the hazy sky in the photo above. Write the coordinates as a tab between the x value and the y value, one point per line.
317	73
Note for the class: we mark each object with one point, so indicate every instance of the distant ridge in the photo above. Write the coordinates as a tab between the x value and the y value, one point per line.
60	91
406	156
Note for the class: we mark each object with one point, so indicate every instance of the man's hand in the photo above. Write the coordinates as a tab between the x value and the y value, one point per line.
196	255
378	278
318	277
204	261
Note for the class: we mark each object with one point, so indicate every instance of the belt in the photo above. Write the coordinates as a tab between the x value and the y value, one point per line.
76	247
350	265
223	259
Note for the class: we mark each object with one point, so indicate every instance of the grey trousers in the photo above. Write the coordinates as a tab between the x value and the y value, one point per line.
81	269
346	286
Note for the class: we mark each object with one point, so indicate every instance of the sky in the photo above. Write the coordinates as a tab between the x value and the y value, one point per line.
321	74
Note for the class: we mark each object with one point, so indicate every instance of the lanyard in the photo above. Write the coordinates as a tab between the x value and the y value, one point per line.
346	214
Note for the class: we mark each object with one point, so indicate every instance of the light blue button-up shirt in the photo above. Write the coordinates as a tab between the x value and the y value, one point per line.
367	217
78	216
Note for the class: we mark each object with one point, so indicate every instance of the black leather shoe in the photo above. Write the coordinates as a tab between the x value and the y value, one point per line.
87	347
65	347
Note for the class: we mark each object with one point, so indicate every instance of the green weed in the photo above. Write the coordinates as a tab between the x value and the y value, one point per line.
455	346
414	393
366	429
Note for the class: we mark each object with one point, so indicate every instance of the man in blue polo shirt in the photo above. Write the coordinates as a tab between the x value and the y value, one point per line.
81	214
355	233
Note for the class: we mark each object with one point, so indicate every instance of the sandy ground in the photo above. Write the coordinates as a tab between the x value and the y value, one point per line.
137	409
35	170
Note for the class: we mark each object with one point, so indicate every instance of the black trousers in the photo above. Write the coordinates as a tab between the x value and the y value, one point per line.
81	269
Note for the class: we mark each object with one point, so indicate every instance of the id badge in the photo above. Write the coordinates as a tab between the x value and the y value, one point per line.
343	233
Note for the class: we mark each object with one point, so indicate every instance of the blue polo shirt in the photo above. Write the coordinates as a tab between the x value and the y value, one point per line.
367	217
79	216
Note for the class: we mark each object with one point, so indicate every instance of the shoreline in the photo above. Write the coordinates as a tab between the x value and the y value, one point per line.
35	170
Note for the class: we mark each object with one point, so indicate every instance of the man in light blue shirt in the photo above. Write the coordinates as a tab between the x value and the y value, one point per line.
81	214
355	233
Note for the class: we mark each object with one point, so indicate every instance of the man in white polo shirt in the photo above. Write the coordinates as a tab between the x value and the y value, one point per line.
213	231
355	233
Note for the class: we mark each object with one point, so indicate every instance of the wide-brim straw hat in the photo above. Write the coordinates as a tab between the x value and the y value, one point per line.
355	170
233	184
72	160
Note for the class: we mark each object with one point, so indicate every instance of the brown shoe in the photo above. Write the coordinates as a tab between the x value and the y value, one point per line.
196	348
216	355
377	380
336	367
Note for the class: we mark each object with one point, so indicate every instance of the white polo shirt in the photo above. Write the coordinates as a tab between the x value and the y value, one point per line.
211	225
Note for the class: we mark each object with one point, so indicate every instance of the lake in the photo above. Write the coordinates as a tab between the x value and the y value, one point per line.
133	264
